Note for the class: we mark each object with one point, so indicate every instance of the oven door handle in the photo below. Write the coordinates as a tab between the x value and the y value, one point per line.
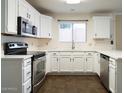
41	58
39	82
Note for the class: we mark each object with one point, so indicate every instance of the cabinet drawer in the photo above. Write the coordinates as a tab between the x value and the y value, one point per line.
65	53
54	53
26	73
27	87
27	62
112	61
78	54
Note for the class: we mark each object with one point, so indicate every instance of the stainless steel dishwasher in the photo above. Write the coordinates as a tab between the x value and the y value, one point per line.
104	70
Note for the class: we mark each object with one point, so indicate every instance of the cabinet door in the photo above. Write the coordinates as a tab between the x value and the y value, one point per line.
37	22
89	64
12	16
43	26
112	80
31	13
97	63
49	26
78	63
102	27
23	11
65	64
55	64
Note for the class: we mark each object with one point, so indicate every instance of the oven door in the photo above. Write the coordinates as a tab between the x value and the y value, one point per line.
38	70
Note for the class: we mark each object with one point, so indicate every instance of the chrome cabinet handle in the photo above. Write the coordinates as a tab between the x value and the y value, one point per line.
28	88
28	73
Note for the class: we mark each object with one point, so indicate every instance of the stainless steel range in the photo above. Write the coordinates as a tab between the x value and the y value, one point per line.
38	61
38	69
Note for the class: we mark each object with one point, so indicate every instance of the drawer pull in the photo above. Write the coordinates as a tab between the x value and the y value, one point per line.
28	87
28	62
28	73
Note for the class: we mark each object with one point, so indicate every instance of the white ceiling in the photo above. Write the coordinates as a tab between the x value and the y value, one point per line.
86	6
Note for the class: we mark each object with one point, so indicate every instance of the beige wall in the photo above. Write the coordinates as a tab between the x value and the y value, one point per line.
55	44
41	44
32	42
119	32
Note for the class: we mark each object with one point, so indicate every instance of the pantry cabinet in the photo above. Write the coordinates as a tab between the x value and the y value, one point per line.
102	27
9	16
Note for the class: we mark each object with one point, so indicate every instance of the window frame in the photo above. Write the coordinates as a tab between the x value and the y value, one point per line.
72	39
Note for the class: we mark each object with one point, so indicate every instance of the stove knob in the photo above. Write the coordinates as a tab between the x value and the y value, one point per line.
13	45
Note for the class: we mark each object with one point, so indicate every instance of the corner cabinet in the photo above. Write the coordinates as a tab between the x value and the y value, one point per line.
102	27
9	16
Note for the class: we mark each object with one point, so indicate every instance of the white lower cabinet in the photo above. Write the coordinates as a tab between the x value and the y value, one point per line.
54	64
72	62
27	87
115	75
65	63
112	75
16	75
78	63
89	64
89	61
97	63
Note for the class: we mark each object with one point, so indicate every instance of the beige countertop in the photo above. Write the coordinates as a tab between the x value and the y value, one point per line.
16	56
116	54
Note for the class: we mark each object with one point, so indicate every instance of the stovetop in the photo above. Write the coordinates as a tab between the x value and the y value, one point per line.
36	54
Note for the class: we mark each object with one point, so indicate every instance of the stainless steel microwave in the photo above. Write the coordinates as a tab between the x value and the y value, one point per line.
25	28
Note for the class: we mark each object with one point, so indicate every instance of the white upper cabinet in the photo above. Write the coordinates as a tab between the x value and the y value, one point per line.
26	11
102	27
37	22
9	16
46	26
23	11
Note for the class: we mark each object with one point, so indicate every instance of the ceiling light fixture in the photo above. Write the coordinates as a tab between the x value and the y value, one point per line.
73	1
